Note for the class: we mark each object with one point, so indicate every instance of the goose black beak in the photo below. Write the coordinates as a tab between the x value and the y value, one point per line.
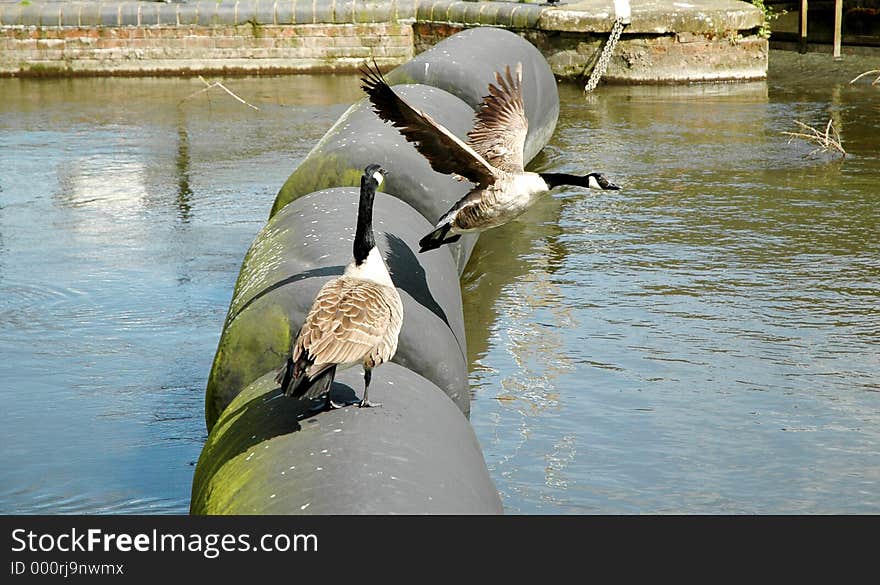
605	184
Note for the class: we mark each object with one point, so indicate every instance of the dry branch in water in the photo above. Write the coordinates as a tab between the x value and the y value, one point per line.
872	72
210	86
826	142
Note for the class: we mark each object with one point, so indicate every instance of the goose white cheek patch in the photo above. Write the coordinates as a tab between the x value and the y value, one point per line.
378	176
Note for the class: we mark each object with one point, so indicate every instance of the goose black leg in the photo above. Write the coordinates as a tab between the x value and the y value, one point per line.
368	373
330	405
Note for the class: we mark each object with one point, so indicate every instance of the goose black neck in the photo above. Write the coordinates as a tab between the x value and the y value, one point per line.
363	237
559	179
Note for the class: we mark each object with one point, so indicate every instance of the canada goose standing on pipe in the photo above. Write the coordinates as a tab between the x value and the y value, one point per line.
492	158
355	318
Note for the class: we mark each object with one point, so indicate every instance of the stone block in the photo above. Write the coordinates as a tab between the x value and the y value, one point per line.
526	17
25	45
198	42
230	42
262	42
256	52
424	11
404	9
347	52
51	55
177	46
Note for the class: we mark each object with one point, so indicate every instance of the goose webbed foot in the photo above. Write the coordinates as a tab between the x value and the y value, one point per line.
333	405
328	405
367	404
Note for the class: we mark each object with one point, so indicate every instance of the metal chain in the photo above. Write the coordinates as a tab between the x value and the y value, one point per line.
605	57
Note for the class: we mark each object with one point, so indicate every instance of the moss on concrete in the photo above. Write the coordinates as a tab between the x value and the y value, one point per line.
46	69
318	171
221	474
250	345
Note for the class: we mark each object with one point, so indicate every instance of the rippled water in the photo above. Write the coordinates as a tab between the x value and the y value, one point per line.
124	218
704	340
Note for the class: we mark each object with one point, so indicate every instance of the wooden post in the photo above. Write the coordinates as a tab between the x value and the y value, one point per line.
803	28
838	25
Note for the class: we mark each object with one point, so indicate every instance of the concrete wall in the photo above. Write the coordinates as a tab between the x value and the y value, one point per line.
231	36
667	41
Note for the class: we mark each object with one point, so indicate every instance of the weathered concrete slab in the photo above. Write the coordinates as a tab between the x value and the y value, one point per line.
655	16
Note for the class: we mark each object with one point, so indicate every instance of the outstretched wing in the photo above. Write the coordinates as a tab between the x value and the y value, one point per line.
499	133
445	152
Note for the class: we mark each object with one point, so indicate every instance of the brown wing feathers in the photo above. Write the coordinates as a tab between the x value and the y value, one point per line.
501	126
348	321
445	152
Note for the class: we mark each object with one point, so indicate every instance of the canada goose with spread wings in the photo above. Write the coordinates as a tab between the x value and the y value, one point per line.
491	159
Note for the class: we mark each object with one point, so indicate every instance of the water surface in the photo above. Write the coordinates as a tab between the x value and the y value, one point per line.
704	340
124	217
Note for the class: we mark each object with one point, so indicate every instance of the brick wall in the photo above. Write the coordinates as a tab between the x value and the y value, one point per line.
32	50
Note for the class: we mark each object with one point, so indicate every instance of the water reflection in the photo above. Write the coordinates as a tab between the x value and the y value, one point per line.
184	192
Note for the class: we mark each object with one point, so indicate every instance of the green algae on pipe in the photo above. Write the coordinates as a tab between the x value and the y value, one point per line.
416	454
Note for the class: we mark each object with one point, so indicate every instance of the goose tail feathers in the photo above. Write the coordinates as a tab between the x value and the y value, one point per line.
437	238
296	383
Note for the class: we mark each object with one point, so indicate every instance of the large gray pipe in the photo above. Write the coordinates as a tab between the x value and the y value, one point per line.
417	453
417	440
